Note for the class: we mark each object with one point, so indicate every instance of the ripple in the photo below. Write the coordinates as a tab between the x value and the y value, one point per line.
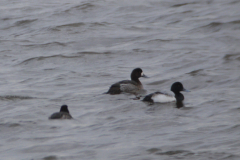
24	22
52	147
174	152
42	58
74	55
47	44
197	72
13	97
50	158
217	26
70	51
70	25
78	25
9	124
83	7
158	82
232	57
185	154
234	2
154	150
159	40
183	4
91	52
234	128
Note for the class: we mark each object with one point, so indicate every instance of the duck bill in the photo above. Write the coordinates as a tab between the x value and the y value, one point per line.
185	90
143	75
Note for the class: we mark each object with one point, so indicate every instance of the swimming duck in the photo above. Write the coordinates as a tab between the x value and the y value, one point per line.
132	86
164	98
63	114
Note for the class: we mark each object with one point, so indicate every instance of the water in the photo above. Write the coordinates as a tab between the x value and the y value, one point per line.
70	52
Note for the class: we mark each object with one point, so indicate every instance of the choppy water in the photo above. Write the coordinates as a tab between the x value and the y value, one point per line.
70	52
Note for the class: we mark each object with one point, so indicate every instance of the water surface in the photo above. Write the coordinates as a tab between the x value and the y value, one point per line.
70	52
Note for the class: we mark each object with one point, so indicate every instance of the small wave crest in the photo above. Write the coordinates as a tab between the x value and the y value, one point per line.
14	97
217	26
74	55
50	44
24	22
183	154
183	4
83	7
8	124
232	57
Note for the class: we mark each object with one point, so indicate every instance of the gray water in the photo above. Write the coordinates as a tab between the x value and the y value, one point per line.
70	52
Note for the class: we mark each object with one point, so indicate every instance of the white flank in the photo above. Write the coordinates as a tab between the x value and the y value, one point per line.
162	98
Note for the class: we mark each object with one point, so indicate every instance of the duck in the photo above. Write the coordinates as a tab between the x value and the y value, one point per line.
133	86
63	114
160	97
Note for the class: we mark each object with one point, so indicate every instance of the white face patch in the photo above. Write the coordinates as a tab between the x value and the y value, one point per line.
142	74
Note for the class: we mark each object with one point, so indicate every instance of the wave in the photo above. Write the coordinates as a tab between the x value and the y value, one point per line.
25	22
92	52
40	58
217	26
183	4
8	124
78	24
232	57
84	7
199	72
47	44
158	82
15	97
74	55
159	40
185	154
